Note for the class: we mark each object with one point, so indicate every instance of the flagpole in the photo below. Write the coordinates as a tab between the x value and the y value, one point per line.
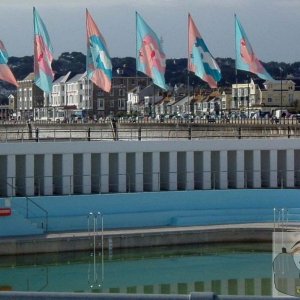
236	78
87	75
136	75
136	54
188	72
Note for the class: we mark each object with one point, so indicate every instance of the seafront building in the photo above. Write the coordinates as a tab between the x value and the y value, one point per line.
266	96
29	98
73	96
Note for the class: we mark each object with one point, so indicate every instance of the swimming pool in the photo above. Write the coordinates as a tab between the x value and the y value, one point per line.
227	269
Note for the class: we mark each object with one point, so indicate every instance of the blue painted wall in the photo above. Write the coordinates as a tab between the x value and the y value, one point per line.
186	208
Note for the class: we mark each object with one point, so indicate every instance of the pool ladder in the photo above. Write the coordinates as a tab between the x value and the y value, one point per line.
96	267
280	219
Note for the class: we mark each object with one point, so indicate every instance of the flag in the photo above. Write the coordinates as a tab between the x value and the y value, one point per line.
150	58
43	55
200	60
98	62
246	59
5	72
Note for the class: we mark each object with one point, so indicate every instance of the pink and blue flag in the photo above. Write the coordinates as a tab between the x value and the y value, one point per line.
150	58
5	72
246	59
98	62
200	60
43	55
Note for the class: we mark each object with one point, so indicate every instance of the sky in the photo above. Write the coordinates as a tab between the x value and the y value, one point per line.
272	26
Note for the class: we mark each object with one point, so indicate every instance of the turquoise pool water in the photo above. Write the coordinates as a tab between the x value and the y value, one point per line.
228	269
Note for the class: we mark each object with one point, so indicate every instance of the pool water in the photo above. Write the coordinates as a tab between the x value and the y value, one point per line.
227	269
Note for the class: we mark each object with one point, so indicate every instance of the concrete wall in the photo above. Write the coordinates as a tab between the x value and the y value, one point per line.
101	167
146	210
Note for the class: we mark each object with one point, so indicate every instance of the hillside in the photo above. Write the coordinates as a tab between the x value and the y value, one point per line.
176	69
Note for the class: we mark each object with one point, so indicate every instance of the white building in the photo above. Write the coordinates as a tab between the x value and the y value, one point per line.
79	92
59	94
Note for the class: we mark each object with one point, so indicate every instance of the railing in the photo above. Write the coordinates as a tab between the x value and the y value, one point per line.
149	182
28	211
139	133
28	216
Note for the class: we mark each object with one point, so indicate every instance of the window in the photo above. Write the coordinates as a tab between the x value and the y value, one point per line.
223	104
112	104
269	100
121	92
100	104
121	104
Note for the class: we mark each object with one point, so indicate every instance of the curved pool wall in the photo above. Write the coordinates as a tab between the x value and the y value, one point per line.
146	210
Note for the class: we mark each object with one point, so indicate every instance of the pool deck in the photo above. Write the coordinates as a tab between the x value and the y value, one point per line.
142	237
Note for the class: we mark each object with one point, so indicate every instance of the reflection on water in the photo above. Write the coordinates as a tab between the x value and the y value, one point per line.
227	269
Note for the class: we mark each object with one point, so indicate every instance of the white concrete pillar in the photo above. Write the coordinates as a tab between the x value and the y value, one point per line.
190	181
139	167
67	173
122	172
11	175
290	168
223	170
224	287
86	166
256	169
29	174
206	184
241	287
240	169
48	174
273	168
155	171
104	172
172	171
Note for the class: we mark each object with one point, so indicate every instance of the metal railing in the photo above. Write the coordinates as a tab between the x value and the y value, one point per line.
149	182
29	212
141	133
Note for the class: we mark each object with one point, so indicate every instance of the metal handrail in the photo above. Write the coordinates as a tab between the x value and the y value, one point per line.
157	132
38	206
34	203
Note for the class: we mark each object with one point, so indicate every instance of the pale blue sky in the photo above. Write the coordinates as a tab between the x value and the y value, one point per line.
272	26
